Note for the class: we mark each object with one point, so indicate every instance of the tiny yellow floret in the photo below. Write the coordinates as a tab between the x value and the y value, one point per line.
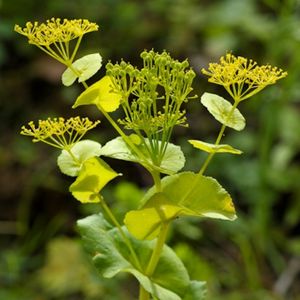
242	77
58	132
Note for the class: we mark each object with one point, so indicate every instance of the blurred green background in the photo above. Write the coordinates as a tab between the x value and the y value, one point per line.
255	257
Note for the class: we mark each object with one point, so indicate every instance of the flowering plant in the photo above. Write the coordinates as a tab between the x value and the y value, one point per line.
152	100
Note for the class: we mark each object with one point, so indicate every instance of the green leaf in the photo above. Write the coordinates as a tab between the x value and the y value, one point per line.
196	291
183	194
221	108
100	94
81	151
85	68
145	223
212	148
93	176
172	162
170	280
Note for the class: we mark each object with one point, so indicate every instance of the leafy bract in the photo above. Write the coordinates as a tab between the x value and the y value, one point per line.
221	109
212	148
172	162
100	94
81	151
83	69
183	194
170	281
93	176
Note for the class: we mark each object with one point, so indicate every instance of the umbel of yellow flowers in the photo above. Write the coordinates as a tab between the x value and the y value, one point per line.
242	77
54	36
58	132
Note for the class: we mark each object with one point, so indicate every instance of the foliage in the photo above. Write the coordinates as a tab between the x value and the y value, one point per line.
266	30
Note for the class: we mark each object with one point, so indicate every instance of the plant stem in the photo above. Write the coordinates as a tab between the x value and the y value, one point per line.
144	295
158	249
218	140
122	233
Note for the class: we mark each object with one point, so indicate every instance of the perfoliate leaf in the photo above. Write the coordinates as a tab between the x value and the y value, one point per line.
221	108
172	162
93	176
170	281
100	94
183	194
85	68
212	148
81	151
145	223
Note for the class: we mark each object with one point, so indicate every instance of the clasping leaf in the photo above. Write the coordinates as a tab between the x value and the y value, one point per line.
221	109
183	194
100	94
212	148
81	151
93	176
83	69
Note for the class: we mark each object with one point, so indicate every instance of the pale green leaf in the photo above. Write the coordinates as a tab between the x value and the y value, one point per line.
221	109
81	151
101	95
170	280
93	176
145	223
83	69
212	148
172	162
183	194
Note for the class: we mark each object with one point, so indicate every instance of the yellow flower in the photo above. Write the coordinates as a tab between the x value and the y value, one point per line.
242	77
58	132
54	36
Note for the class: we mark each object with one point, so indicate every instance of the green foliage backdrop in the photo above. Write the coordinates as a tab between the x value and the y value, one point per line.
255	257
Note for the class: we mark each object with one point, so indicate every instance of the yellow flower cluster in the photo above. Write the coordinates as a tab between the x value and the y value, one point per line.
242	77
54	36
58	132
55	31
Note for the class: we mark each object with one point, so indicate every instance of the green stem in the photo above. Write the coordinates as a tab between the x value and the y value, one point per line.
157	180
158	249
144	295
218	140
123	135
122	233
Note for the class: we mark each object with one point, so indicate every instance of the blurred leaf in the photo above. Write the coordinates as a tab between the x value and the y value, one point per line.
66	274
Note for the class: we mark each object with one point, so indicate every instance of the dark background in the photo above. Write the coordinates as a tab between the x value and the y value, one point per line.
255	257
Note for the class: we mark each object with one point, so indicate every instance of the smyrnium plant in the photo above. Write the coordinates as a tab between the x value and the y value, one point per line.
152	99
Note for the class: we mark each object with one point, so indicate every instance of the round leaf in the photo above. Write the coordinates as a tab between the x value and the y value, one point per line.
221	108
145	223
183	194
172	162
93	176
81	151
170	281
100	94
85	68
212	148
